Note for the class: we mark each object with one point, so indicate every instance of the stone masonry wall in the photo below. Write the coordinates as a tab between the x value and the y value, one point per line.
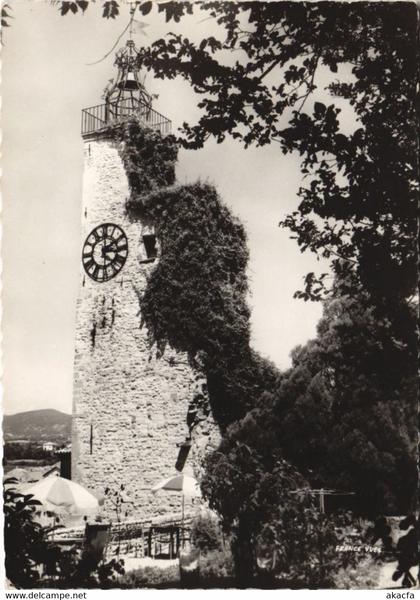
129	409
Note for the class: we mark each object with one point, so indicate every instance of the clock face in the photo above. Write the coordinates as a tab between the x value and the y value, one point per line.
104	252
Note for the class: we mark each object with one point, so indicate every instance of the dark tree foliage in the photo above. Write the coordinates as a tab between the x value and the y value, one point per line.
351	397
346	419
24	541
30	451
111	8
30	557
279	538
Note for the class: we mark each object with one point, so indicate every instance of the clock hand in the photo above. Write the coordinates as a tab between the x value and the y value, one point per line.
106	249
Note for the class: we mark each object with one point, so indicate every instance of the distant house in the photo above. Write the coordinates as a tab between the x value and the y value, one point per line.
49	446
64	450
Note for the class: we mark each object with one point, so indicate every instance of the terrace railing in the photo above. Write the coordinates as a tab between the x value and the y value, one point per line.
97	118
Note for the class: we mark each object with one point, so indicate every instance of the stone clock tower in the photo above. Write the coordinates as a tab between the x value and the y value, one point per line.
129	410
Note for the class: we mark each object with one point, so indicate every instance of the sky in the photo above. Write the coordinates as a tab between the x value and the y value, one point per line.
46	82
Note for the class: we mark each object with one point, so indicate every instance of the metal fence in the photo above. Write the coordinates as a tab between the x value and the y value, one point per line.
96	118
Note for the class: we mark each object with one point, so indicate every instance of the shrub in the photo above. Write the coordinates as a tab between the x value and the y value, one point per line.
25	545
363	576
303	545
212	569
151	577
31	560
206	533
74	571
216	568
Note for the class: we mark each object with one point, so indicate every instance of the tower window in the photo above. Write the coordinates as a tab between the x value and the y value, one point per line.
149	242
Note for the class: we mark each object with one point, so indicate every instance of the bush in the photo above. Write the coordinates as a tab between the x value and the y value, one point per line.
151	577
32	560
25	544
206	533
213	569
303	545
216	568
363	576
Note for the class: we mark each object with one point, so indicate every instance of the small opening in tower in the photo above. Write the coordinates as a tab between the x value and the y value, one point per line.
149	242
91	439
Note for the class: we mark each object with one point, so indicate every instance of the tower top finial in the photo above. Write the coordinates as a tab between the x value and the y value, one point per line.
132	11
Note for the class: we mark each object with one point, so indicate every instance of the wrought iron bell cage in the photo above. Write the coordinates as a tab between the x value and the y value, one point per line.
128	90
125	97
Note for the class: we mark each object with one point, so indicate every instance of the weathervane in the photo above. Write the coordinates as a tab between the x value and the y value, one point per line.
132	11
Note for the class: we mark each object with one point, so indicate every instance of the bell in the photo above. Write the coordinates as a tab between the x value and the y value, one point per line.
130	83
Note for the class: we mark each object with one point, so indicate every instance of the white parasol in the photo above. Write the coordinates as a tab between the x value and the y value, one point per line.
62	495
185	485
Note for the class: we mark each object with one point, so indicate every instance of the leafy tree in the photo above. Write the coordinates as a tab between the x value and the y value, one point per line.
279	537
350	395
30	557
344	416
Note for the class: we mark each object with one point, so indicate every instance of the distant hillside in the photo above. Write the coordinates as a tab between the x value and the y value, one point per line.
38	425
